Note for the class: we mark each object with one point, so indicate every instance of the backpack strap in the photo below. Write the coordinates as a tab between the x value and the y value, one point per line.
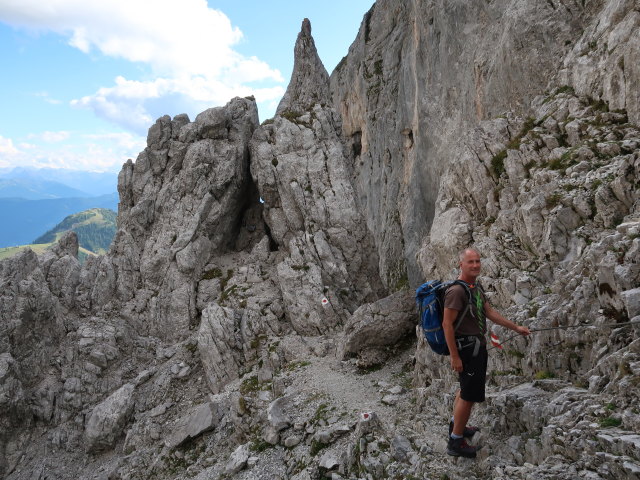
476	344
461	314
460	317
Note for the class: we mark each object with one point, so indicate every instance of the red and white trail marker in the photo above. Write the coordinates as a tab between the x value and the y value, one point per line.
495	341
325	301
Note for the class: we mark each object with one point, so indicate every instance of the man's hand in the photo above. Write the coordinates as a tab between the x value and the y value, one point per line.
456	363
522	330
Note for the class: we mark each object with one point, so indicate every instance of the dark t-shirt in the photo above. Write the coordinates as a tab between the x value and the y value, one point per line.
474	322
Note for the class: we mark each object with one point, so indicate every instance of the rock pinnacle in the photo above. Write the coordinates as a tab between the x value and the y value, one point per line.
309	82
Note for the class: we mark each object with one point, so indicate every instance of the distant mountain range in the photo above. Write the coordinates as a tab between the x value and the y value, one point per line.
33	200
24	220
36	189
42	183
95	229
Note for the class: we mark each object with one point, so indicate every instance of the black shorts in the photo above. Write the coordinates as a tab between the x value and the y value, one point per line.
474	372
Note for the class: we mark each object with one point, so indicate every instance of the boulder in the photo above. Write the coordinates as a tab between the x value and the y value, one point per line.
200	419
276	414
107	420
376	326
237	460
219	349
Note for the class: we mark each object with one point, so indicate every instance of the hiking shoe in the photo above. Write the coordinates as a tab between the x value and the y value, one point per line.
468	431
458	447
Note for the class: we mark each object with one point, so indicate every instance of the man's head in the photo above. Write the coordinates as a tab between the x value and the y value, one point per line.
469	265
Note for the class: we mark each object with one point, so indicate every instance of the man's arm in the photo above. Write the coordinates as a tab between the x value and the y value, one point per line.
448	321
493	315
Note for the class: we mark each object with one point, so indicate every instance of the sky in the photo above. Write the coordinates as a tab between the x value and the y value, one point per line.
83	80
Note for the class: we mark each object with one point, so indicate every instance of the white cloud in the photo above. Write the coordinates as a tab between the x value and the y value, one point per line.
45	96
54	137
188	46
176	37
127	141
135	104
97	152
7	147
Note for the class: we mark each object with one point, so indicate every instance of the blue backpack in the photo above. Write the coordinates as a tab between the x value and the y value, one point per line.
430	302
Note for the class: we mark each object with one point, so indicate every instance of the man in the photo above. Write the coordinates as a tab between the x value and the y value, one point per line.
467	346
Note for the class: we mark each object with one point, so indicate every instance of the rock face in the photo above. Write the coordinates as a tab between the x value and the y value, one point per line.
253	317
301	168
419	74
601	63
181	202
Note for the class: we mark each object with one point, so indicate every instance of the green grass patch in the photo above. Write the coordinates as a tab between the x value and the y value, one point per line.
553	200
259	445
609	422
321	413
227	293
39	249
212	273
298	268
566	160
563	89
291	115
497	163
371	369
225	280
377	67
598	105
515	353
544	375
505	373
402	283
191	347
527	126
316	447
249	385
295	365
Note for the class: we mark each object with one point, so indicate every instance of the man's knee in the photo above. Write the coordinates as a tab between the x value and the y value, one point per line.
466	403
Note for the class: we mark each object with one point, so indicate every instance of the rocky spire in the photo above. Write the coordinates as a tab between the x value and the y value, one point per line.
309	82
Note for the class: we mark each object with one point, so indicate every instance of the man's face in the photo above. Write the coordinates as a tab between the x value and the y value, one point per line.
470	264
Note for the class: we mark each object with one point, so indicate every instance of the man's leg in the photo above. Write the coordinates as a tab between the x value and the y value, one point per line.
461	413
456	445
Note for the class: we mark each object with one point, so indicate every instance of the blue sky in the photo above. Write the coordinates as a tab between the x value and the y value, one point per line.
84	79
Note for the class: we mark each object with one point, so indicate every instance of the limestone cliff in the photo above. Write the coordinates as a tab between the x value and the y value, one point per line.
421	73
253	318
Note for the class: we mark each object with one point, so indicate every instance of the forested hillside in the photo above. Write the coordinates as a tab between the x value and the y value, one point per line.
22	220
95	229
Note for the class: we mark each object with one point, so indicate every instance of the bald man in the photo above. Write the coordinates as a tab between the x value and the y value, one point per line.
468	348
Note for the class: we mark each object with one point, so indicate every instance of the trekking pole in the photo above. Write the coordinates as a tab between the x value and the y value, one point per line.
606	325
561	327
